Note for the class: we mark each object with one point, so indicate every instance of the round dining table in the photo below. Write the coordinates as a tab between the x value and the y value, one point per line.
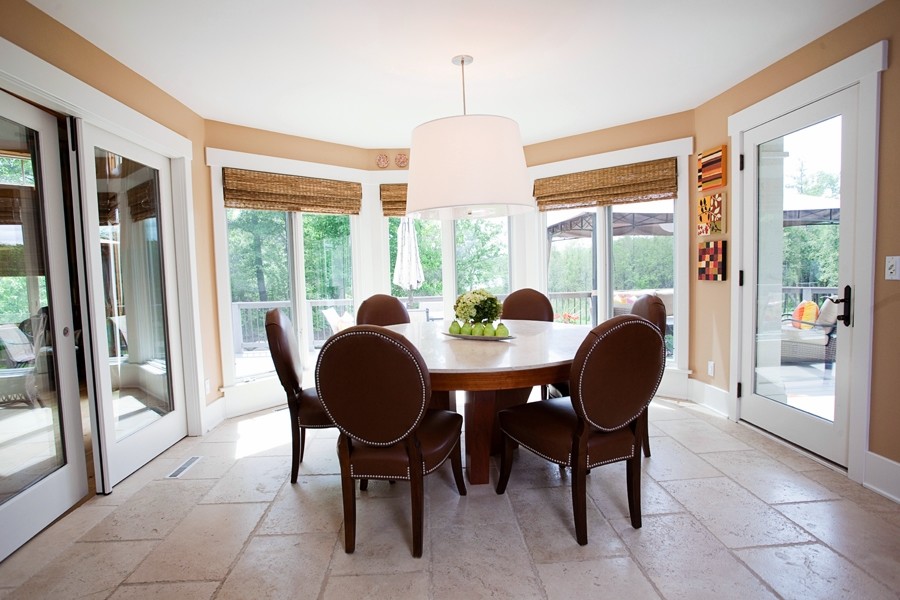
494	374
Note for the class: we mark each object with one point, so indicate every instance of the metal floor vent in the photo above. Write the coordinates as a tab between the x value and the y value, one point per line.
183	467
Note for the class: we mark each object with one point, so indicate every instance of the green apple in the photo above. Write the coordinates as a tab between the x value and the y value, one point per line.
488	330
454	327
501	330
478	329
466	329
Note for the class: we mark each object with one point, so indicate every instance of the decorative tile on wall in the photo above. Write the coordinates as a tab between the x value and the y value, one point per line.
711	261
710	214
711	169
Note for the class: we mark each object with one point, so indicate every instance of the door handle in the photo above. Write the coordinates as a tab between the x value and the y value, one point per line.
847	302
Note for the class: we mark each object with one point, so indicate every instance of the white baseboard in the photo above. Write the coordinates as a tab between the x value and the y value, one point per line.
674	384
882	476
245	398
706	395
212	416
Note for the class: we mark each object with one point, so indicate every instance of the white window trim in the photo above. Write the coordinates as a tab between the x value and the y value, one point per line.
675	380
37	80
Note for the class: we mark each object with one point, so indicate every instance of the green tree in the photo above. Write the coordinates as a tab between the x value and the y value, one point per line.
16	171
326	256
643	262
257	255
482	255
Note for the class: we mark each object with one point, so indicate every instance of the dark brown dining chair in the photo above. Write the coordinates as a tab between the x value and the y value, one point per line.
304	407
652	308
528	304
614	375
381	309
531	305
376	387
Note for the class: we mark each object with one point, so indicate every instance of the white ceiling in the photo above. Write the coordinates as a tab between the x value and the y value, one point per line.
365	73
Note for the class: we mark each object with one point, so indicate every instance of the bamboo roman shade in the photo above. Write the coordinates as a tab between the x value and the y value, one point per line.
393	199
273	191
13	200
142	201
638	182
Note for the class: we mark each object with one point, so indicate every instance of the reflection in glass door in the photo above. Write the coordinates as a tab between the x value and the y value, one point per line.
139	404
135	324
42	466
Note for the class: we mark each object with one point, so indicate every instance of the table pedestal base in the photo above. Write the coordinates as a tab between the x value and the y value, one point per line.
483	436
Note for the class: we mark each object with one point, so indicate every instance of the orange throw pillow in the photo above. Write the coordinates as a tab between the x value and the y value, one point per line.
807	311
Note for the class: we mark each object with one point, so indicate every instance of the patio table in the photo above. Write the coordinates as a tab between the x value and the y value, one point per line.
494	374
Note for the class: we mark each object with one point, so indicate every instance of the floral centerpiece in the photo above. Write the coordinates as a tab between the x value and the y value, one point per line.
477	306
477	310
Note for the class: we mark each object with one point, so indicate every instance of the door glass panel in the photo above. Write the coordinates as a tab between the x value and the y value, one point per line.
329	275
799	216
31	427
128	203
643	258
482	255
260	274
572	268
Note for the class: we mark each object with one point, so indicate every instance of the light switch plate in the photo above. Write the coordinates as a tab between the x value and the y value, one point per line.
892	267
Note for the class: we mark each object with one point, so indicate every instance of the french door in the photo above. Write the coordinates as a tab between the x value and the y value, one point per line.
42	459
799	237
137	383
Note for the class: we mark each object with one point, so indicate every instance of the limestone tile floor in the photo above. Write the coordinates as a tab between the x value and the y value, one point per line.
727	513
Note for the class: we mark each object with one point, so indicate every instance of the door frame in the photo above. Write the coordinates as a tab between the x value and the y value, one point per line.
42	502
34	79
862	69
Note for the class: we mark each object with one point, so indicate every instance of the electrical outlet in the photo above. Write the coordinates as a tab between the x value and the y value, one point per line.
892	267
711	368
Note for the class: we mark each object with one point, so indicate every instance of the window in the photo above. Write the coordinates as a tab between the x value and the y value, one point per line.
643	257
572	265
260	274
428	297
482	255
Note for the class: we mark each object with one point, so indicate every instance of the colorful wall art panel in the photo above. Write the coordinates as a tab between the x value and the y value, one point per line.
711	264
711	167
710	214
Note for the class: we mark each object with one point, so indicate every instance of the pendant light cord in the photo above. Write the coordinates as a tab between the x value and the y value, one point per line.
462	67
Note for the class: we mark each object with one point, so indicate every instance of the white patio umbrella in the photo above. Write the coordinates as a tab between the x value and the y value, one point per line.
408	272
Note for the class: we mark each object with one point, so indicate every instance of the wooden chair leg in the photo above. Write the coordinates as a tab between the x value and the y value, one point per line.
296	450
579	500
363	485
348	492
302	442
645	430
506	459
456	464
417	501
633	477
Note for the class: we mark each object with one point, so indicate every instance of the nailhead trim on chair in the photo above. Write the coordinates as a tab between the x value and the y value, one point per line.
544	456
342	334
612	460
641	323
439	464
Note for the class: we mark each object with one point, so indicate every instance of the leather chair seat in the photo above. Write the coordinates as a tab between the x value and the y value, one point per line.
392	462
311	413
546	428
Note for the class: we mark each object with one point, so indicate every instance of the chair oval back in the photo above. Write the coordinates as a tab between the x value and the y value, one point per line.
373	384
528	304
283	348
381	309
652	308
616	371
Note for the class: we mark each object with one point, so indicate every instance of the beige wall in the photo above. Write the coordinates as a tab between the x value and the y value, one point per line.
710	301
